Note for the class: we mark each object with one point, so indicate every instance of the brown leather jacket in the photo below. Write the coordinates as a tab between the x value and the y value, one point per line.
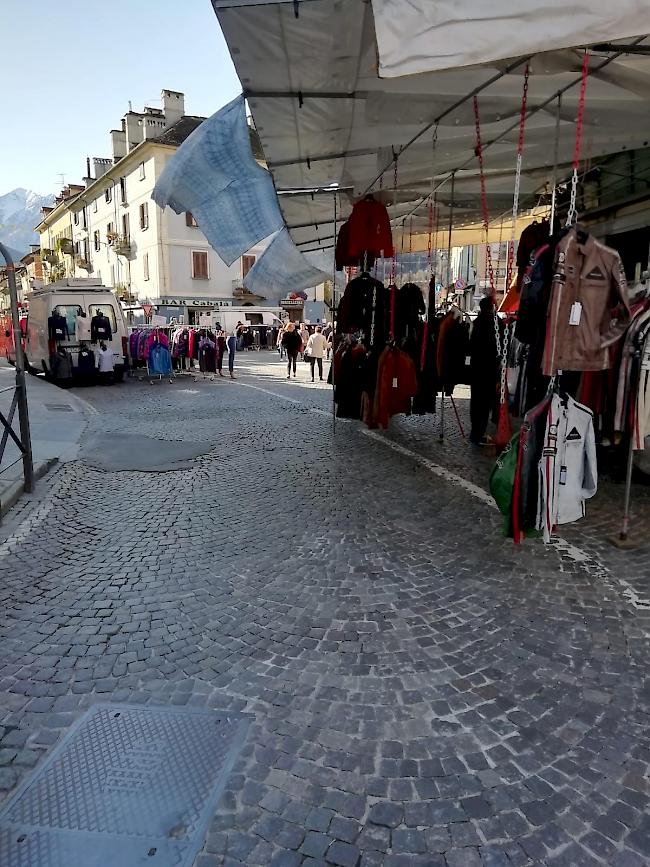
591	275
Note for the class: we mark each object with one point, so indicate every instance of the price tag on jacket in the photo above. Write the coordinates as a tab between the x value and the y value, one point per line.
394	382
576	313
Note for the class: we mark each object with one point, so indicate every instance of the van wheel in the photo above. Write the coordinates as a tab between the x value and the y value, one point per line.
48	376
31	369
118	374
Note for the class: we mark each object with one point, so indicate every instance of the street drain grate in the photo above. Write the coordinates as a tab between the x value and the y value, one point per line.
127	786
59	407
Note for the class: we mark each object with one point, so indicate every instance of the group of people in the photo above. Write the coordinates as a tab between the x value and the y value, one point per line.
312	346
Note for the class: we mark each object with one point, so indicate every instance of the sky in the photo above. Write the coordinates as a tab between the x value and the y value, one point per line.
70	69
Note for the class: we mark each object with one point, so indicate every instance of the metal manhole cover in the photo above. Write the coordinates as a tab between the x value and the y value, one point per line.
59	407
127	786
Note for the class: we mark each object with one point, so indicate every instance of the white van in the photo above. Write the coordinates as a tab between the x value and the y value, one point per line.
78	301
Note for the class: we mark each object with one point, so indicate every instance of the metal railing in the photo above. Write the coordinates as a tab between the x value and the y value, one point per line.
19	400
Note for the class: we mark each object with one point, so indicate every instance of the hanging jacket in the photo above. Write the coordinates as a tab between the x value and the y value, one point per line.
526	492
364	307
100	328
369	230
641	419
409	307
85	361
106	361
568	473
397	384
590	290
160	360
292	341
533	302
57	328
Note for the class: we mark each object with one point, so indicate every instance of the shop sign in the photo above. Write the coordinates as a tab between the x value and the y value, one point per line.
292	303
147	309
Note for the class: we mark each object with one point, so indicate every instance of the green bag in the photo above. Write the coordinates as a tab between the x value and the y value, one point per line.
502	480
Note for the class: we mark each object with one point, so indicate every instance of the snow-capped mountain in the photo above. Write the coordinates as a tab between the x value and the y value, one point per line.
20	211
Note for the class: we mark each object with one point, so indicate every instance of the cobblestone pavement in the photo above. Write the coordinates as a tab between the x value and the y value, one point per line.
423	692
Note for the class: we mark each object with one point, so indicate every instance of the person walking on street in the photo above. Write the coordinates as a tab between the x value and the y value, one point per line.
484	371
280	344
316	347
304	334
221	350
292	342
232	349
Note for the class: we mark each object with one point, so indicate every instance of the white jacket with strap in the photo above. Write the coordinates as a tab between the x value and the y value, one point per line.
568	474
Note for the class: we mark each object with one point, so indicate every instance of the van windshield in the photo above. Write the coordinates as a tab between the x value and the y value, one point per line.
107	310
70	311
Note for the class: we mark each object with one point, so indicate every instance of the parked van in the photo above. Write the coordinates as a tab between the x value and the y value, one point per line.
78	301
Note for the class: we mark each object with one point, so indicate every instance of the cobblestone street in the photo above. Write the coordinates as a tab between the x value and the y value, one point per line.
422	691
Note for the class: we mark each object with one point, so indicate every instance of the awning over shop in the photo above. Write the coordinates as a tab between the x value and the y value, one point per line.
325	117
416	36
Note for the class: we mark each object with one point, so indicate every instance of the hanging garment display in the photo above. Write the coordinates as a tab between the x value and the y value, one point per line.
207	355
57	328
588	308
85	362
61	365
568	472
641	417
369	230
525	495
452	349
531	239
364	308
397	385
159	362
100	328
409	307
624	396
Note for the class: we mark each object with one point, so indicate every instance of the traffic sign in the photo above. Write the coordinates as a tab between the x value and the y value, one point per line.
147	309
460	284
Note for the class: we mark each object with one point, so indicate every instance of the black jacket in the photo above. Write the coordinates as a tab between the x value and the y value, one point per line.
100	328
292	341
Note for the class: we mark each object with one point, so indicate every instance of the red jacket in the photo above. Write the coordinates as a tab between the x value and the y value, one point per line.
369	230
397	383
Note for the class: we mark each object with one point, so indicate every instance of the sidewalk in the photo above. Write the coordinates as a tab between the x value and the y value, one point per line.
57	420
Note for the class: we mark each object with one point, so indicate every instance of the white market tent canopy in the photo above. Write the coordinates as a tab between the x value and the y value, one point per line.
311	73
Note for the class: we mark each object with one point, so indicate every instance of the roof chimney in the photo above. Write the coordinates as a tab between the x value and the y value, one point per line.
173	103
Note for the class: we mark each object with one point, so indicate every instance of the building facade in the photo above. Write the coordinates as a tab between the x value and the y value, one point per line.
112	229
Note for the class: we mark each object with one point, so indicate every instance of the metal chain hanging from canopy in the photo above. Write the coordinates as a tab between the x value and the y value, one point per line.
515	198
572	214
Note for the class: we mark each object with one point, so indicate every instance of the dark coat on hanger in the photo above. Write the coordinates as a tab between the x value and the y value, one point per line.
365	303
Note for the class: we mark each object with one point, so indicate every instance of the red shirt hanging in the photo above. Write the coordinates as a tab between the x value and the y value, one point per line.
369	229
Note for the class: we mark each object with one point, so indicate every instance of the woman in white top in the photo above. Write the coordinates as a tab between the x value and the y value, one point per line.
316	346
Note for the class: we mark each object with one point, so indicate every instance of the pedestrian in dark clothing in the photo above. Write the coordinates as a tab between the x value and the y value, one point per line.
484	370
292	342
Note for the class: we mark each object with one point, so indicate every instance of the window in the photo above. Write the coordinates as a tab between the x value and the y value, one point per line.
86	251
145	266
75	217
107	310
123	190
190	221
199	265
84	217
77	248
126	226
94	206
110	233
112	275
96	241
108	194
144	215
247	263
142	173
